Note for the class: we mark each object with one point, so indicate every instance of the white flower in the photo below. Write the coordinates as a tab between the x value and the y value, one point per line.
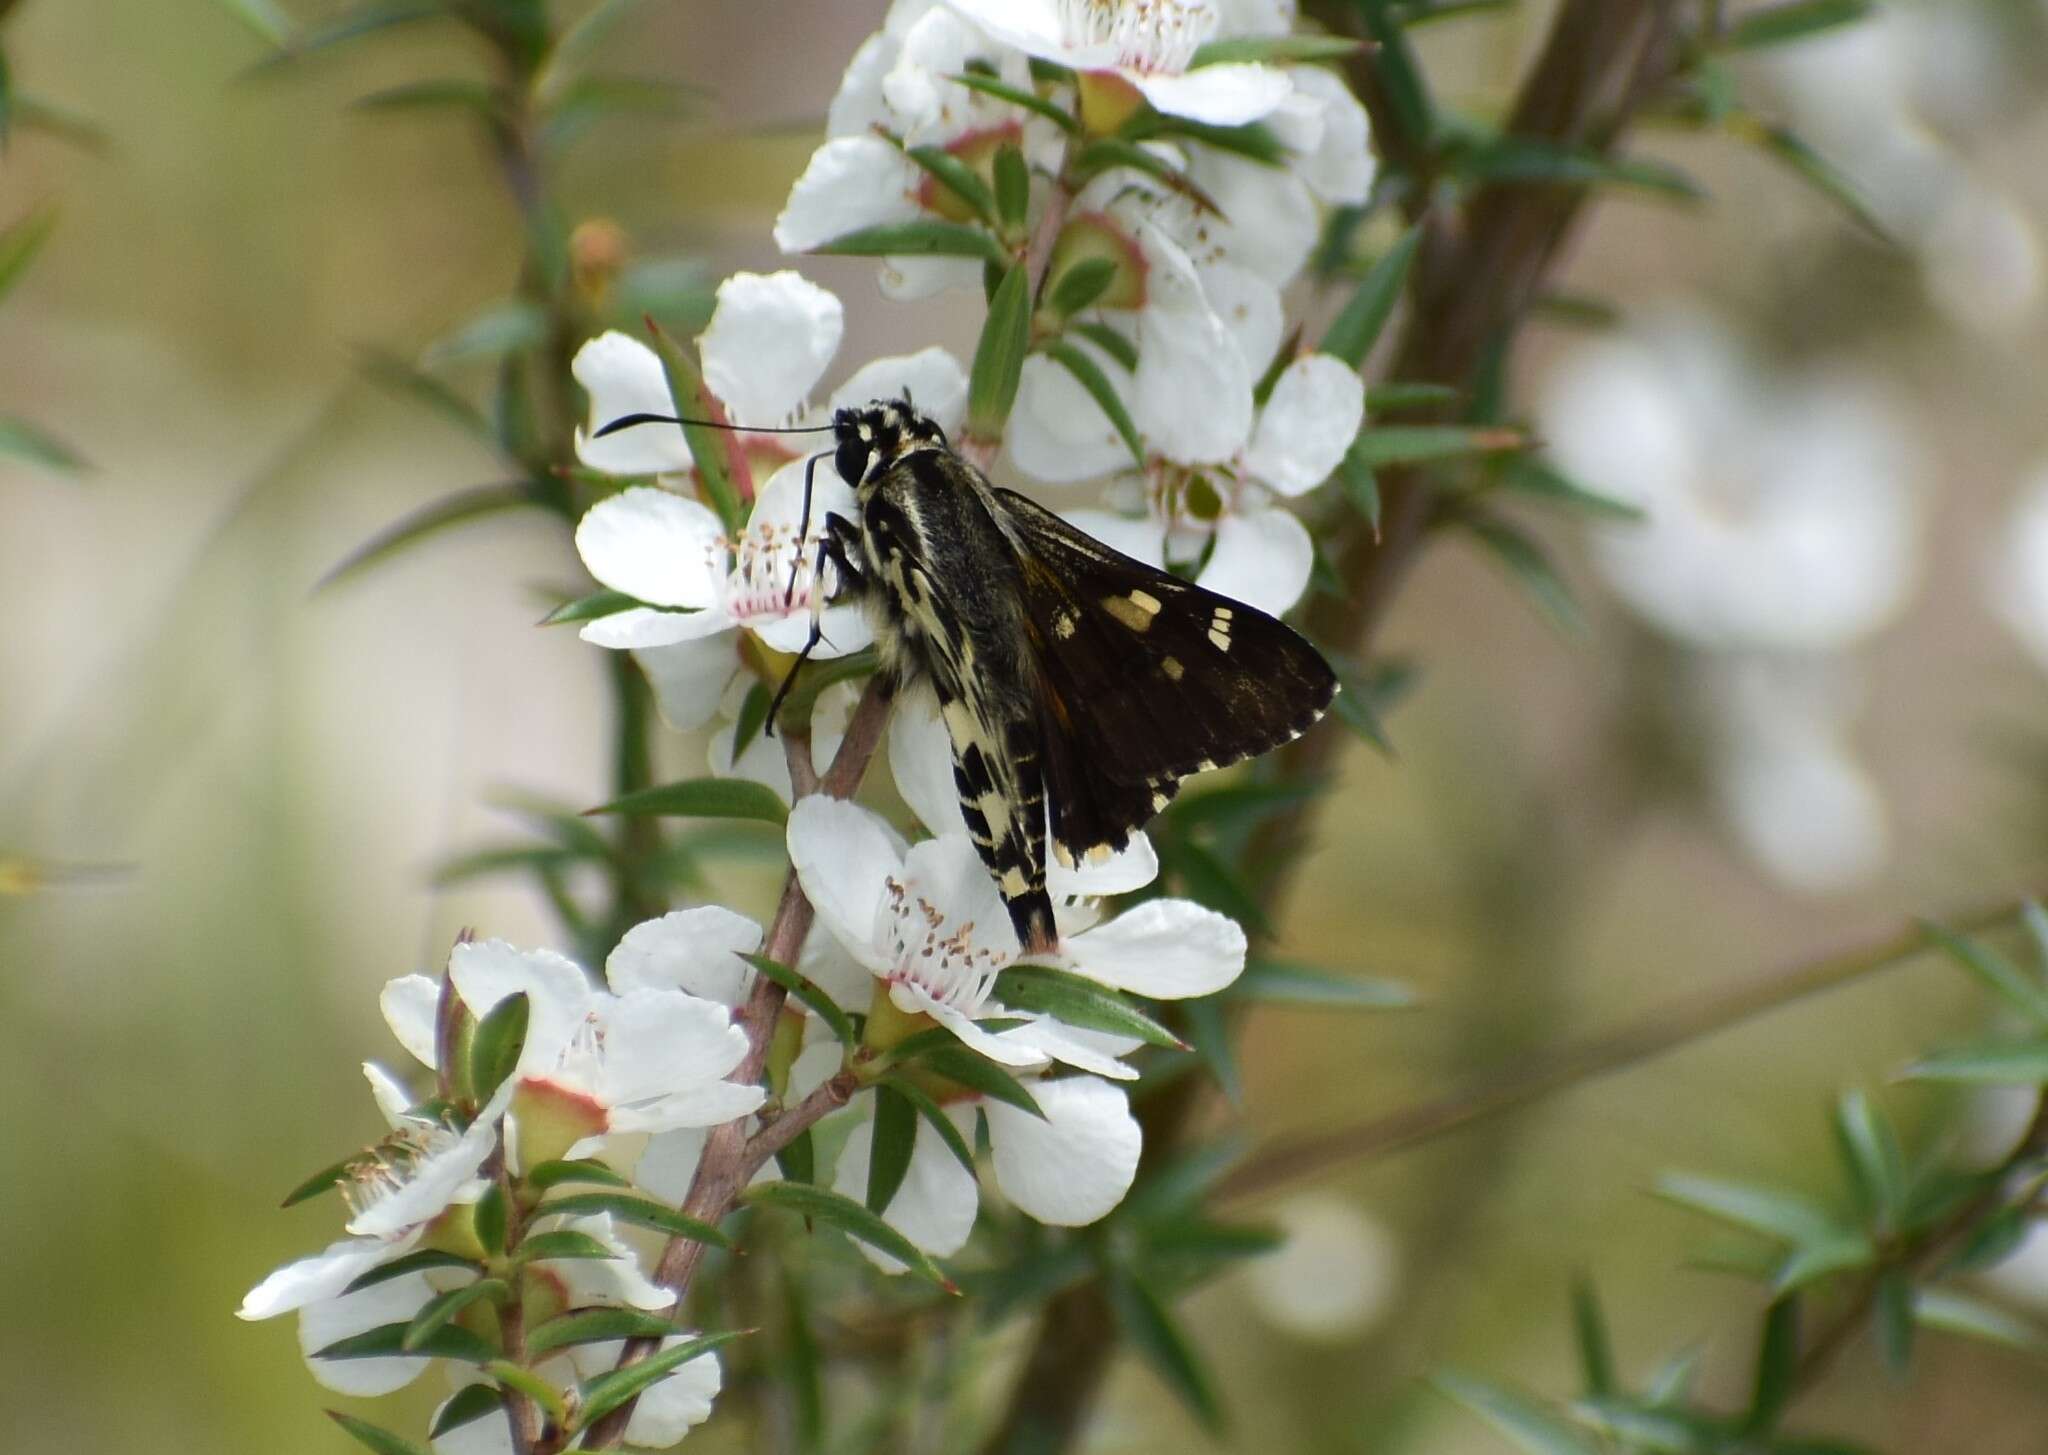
1068	1168
1145	43
665	1412
647	1058
1781	514
930	926
1783	773
1332	1279
768	342
763	759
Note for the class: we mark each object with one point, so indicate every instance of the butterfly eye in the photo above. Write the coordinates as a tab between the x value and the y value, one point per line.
851	460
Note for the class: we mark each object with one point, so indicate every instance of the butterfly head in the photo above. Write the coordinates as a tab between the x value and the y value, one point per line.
872	438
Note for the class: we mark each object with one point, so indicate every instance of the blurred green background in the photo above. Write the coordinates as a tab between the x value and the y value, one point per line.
274	773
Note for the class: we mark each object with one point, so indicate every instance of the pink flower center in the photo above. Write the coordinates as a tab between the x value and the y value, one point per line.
937	957
1152	36
767	561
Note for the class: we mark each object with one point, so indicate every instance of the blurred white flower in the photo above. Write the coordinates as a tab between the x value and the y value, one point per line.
1781	513
648	1058
1068	1168
1333	1278
668	1410
2019	569
1146	44
762	759
1783	773
928	924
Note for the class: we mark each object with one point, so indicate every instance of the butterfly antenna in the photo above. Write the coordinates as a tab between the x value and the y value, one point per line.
628	421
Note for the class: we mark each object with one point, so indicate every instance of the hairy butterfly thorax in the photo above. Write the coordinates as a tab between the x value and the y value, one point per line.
1078	686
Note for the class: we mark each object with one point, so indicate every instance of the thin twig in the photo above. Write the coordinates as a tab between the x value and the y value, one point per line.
1651	1034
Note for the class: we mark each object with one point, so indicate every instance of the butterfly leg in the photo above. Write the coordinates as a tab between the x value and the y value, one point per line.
838	532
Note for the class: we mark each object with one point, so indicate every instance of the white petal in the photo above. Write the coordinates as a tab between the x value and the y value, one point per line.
558	994
1221	95
1142	538
851	182
921	762
485	1435
1308	423
1132	867
658	1043
1032	26
671	1407
392	1096
1249	307
669	1165
321	1276
768	342
773	558
948	875
642	628
623	376
1169	949
1270	218
936	1203
1075	1165
437	1182
654	546
1194	389
1057	432
697	950
1262	559
689	677
410	1004
857	107
392	1302
819	1061
843	856
1059	1042
1340	169
931	378
827	965
989	1043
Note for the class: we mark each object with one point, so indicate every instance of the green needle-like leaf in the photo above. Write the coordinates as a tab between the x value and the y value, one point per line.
1153	1332
1079	1001
703	798
375	1437
1353	332
608	1391
438	1310
469	1404
640	1211
999	357
816	1204
494	1048
596	1325
450	1341
1077	363
1786	1216
894	1138
1531	1426
810	994
926	237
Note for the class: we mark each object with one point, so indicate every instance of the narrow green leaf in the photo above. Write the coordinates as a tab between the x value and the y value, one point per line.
1777	1367
1548	163
1786	146
935	1114
511	1376
1110	342
1811	1262
1013	187
958	178
1361	485
2036	919
1213	1242
609	1390
375	1436
1110	152
810	994
2023	1063
703	798
387	1341
20	241
924	238
34	113
561	1243
1354	331
1254	141
712	451
20	440
509	326
466	1406
1209	1036
319	1182
580	39
1037	105
1958	1313
430	520
1531	567
1531	1426
1596	1349
1533	479
1895	1319
490	1219
1400	74
1274	50
894	1137
1672	1383
801	1364
1205	878
590	608
402	378
263	18
494	1049
817	1204
595	1325
1413	444
1079	1001
1776	24
1158	1338
1283	982
1871	1149
639	1211
977	1073
1091	378
1636	1426
753	717
438	1310
1993	1240
1786	1216
798	1159
451	93
2018	989
1383	397
1081	285
415	1262
999	357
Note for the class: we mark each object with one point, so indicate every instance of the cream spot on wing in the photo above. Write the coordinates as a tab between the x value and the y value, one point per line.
1100	854
1221	639
1224	613
1172	668
1127	611
1063	854
1013	883
1063	625
1207	765
1146	602
960	723
995	809
1160	800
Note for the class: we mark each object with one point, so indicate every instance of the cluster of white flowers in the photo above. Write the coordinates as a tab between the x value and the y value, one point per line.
1781	530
